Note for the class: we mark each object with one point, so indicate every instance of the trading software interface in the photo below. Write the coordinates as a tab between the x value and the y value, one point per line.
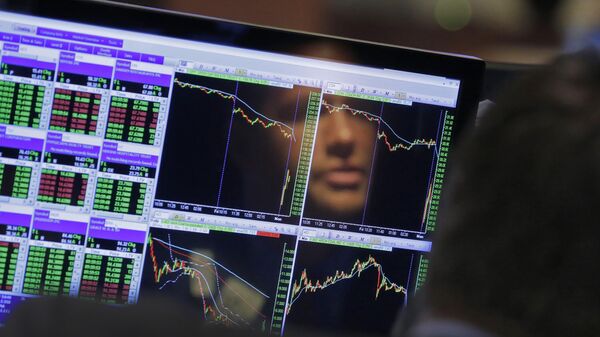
263	190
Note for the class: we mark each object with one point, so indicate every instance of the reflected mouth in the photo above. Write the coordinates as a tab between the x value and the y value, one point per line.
346	177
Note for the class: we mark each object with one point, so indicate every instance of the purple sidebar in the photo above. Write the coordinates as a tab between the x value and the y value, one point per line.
153	59
15	219
27	62
99	230
11	47
111	154
55	44
34	41
81	48
87	38
10	37
68	64
42	221
128	55
103	51
55	144
124	72
20	142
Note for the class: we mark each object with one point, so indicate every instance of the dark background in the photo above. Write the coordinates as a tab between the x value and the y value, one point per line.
509	31
348	305
256	259
399	179
197	119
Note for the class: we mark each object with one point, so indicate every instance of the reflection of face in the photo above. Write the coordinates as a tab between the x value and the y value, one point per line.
341	163
342	154
341	160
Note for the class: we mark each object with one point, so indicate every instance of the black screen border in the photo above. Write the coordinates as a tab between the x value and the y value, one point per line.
469	70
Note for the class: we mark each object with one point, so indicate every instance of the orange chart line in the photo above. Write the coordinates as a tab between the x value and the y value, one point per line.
305	285
182	265
261	120
403	144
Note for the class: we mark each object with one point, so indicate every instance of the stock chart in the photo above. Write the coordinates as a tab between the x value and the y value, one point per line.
260	189
232	279
347	288
239	137
393	147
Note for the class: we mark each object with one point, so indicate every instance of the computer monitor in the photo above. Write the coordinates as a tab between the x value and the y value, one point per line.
268	179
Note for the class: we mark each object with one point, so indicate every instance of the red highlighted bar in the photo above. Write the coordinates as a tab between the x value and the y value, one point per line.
268	234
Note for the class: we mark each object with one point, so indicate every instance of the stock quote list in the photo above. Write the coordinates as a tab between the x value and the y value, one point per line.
9	253
106	278
49	271
14	233
112	261
54	251
14	180
120	196
63	187
21	104
75	111
132	120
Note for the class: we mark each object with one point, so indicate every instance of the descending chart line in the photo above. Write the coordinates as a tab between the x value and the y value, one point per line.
170	246
405	145
371	170
287	161
285	129
216	308
305	285
227	147
429	194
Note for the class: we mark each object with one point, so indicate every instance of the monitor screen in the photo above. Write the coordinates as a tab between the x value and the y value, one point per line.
264	190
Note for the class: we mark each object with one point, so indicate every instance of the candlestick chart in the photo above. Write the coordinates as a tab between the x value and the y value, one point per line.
357	289
306	285
383	128
396	146
260	119
240	137
226	277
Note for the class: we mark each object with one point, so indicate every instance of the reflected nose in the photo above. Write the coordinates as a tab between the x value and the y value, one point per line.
340	138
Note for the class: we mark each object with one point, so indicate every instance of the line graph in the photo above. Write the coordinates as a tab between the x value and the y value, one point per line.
286	130
239	137
306	285
212	300
347	288
230	279
403	143
393	147
285	187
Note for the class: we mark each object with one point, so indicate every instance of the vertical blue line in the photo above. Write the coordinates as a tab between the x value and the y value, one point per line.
433	162
227	146
408	280
287	163
372	165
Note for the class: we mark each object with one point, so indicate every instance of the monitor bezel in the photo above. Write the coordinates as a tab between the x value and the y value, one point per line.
468	70
109	14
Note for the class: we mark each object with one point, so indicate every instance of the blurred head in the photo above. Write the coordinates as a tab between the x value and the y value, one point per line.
343	148
341	161
519	233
